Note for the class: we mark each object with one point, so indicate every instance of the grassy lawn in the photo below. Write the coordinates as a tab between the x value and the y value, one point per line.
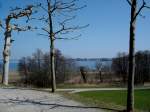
116	99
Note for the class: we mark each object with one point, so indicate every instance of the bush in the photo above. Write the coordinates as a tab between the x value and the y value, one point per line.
35	70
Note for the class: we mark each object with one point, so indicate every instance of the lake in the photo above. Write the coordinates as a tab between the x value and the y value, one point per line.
86	63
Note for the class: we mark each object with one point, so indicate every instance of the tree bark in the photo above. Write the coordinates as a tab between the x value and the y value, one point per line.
83	74
53	79
52	50
100	76
131	72
6	53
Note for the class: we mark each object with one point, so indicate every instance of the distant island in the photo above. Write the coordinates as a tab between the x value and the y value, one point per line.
92	59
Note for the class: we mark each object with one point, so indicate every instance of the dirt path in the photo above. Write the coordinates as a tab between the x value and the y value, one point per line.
76	90
20	100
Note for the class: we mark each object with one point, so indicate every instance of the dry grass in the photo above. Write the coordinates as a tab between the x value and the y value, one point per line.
13	77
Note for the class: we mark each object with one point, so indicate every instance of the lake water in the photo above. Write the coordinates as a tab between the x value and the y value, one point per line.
87	63
12	66
90	64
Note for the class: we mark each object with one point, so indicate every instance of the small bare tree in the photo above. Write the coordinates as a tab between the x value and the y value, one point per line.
83	72
99	66
24	68
15	14
131	72
57	8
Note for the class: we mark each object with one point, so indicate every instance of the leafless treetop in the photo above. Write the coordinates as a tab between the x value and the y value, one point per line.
64	9
143	5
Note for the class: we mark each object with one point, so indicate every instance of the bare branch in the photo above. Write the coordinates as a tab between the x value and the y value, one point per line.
20	12
65	30
19	29
44	29
65	6
24	12
58	7
140	9
141	15
67	20
147	7
129	2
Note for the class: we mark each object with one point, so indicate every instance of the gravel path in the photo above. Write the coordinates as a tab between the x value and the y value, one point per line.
21	100
76	90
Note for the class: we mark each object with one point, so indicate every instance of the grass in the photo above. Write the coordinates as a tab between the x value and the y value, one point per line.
117	99
13	76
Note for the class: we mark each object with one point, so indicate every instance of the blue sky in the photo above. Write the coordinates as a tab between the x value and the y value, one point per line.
107	34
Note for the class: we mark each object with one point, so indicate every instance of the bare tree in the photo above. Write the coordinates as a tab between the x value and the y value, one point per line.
38	55
57	8
14	15
83	72
31	74
24	68
99	66
120	66
131	72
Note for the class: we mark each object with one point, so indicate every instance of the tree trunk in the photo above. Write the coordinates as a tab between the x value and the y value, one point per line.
100	76
52	49
130	94
53	80
26	71
83	74
6	53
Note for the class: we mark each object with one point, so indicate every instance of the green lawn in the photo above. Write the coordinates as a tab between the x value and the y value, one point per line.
115	99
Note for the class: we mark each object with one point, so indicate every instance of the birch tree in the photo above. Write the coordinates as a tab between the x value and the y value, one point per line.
135	12
15	14
53	9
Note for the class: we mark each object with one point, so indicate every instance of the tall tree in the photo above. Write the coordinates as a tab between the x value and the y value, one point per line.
131	72
14	14
57	8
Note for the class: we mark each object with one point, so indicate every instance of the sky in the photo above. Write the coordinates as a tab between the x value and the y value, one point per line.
107	34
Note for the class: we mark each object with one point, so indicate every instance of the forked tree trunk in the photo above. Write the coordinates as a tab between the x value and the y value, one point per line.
6	53
130	94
